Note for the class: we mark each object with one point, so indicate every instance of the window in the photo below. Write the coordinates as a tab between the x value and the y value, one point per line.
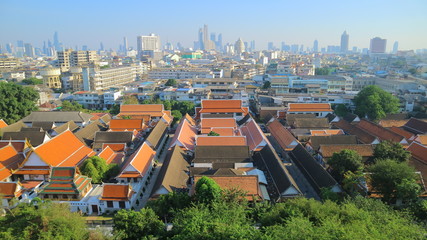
135	179
122	204
110	204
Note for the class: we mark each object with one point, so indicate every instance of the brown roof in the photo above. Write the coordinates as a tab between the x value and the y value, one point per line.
222	154
326	132
220	141
157	134
382	133
310	123
361	134
316	141
364	150
154	110
247	183
418	151
393	123
87	134
309	107
8	189
71	125
283	137
416	126
401	132
116	192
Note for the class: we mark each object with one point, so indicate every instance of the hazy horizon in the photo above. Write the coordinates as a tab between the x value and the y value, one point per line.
89	23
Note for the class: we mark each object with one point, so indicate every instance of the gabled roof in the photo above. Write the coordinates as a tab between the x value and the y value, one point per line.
104	117
220	141
382	133
3	123
244	119
267	159
421	139
10	159
35	138
350	117
140	161
326	132
402	132
19	145
116	192
310	123
66	180
364	150
185	135
309	107
292	117
9	190
221	104
206	124
228	131
393	123
156	135
416	126
221	154
112	137
282	136
16	127
254	136
330	116
127	124
70	125
64	150
190	119
46	126
154	110
418	152
87	134
77	117
173	175
361	134
317	176
110	156
316	141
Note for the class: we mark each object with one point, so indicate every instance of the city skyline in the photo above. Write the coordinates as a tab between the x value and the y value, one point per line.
362	21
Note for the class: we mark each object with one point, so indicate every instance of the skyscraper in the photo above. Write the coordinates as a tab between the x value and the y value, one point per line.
201	46
219	42
56	43
378	45
207	43
316	46
270	46
125	44
395	47
253	45
239	47
344	42
151	42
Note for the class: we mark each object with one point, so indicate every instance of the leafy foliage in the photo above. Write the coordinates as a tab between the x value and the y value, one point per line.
171	82
207	190
130	99
212	133
71	106
391	150
32	81
344	161
43	221
97	169
16	101
166	206
375	103
130	224
266	85
341	110
387	175
177	115
322	71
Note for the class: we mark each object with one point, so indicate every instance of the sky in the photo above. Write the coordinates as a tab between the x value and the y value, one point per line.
89	22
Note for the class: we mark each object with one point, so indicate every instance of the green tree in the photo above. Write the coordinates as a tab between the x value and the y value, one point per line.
167	105
171	82
97	169
375	103
408	190
115	109
167	205
43	221
344	161
144	224
32	81
391	150
212	133
413	71
387	175
322	71
266	85
341	110
176	116
207	190
16	101
71	106
350	182
130	99
112	171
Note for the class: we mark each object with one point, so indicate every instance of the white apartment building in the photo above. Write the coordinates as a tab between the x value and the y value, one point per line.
95	78
69	58
180	73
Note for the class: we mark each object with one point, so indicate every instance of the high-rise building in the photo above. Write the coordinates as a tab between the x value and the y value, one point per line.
378	45
294	48
395	47
219	42
344	42
253	45
201	46
150	43
316	46
125	44
208	44
239	47
213	37
69	58
56	43
101	46
270	46
29	50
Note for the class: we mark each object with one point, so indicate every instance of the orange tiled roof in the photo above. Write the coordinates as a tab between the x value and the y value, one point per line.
190	119
220	104
167	118
421	139
97	116
185	135
206	124
116	147
281	134
393	123
379	131
155	110
326	132
19	145
309	107
3	123
116	192
8	189
32	172
224	131
220	141
364	150
418	151
247	183
401	132
110	156
140	160
253	133
64	150
9	160
129	124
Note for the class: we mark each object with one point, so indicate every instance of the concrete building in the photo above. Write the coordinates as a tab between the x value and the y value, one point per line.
180	73
239	47
95	78
51	77
7	63
378	45
344	42
69	58
151	42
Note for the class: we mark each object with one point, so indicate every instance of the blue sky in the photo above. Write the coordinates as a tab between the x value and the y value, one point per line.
89	22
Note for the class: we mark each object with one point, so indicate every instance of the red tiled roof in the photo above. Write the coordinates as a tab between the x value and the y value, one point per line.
185	134
418	151
220	141
64	150
110	156
190	119
327	132
224	131
31	172
116	147
382	133
116	192
309	107
361	134
254	135
3	123
393	123
401	132
97	116
129	124
416	126
421	139
364	150
283	137
10	159
140	160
